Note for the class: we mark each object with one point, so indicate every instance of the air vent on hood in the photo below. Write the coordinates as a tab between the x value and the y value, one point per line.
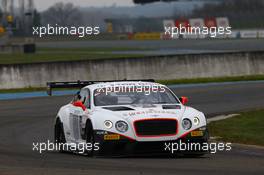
171	106
119	108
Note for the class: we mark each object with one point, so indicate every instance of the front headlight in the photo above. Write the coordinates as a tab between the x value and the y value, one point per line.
108	124
121	126
196	121
186	124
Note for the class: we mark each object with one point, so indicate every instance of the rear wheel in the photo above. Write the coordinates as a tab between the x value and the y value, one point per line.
59	135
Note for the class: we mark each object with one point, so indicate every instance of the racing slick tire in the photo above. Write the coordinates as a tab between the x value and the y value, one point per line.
202	153
89	137
59	135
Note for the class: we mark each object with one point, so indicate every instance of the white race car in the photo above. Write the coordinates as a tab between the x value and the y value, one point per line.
127	117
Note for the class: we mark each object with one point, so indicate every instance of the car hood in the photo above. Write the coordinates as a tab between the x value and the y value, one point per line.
138	112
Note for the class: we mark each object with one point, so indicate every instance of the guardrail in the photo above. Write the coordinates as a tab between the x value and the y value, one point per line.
150	67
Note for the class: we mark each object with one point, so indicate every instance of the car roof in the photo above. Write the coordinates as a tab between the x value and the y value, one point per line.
122	83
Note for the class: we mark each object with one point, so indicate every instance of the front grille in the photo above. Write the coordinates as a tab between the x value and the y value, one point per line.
155	127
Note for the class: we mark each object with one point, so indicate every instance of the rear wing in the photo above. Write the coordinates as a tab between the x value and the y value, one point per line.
80	84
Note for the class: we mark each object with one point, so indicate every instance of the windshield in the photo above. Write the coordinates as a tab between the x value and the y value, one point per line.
104	97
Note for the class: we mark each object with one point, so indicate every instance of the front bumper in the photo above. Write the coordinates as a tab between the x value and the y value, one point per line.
122	145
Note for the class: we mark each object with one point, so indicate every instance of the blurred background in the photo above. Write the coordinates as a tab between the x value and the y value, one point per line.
130	29
127	19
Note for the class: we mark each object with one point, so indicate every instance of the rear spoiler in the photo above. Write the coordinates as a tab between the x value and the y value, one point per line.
80	84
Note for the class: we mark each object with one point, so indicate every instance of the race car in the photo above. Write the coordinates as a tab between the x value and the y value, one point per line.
127	117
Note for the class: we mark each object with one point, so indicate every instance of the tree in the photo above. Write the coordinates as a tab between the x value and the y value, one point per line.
36	18
64	14
241	13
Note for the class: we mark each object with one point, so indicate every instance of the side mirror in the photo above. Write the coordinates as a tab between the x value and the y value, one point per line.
184	100
79	104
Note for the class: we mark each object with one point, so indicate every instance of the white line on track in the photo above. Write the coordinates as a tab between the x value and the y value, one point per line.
221	117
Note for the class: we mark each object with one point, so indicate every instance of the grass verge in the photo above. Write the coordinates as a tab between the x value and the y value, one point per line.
246	129
213	80
91	50
20	90
70	54
56	57
166	82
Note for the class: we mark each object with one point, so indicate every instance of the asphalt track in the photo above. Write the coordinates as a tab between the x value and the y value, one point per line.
25	121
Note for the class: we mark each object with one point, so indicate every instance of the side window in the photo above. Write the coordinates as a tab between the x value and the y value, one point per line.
87	101
83	95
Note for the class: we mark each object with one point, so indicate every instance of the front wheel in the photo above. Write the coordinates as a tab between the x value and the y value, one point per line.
59	135
89	137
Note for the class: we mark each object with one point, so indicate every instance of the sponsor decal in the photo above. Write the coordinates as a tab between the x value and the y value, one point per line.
197	133
112	137
151	111
101	132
